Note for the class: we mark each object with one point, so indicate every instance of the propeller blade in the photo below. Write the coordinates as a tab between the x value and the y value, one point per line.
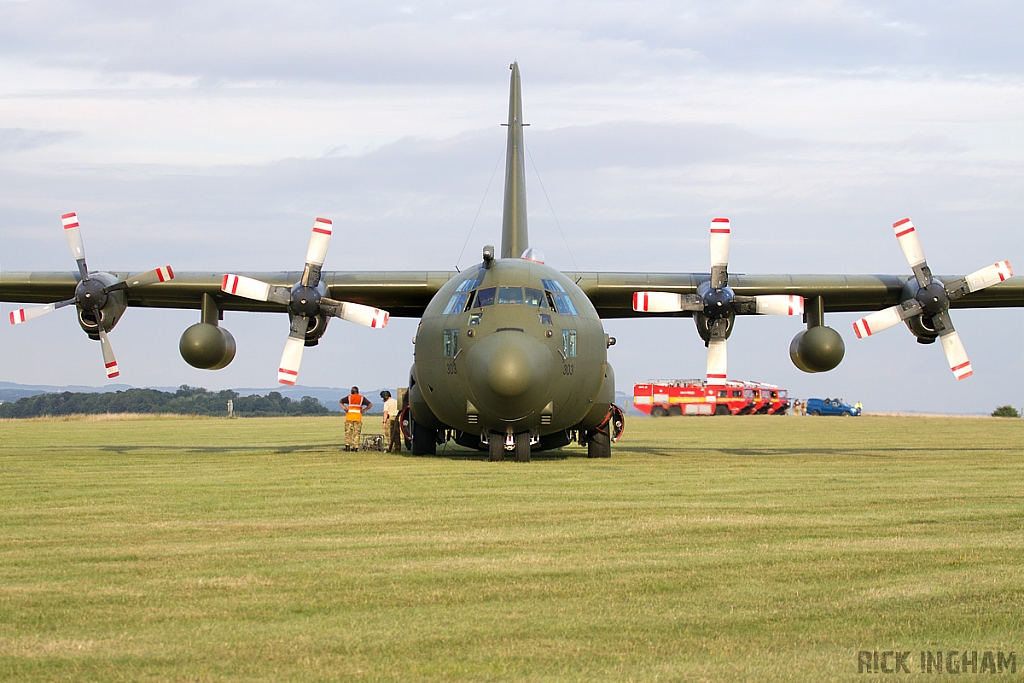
150	277
251	288
779	304
980	279
876	322
910	243
316	252
956	354
666	302
291	358
720	232
367	316
109	362
717	362
25	314
74	235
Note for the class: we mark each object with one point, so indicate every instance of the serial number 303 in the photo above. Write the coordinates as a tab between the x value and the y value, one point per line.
568	369
452	369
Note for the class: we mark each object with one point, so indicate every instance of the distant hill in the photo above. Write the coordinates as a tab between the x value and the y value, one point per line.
328	396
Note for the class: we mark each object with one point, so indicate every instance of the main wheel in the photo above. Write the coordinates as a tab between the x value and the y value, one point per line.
523	447
598	445
722	410
675	411
424	440
658	411
496	447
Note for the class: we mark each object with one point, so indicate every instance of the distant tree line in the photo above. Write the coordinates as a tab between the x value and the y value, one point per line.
185	401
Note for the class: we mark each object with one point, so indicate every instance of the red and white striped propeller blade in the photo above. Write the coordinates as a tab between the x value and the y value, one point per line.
878	321
717	362
151	277
988	276
319	240
910	244
25	314
719	243
291	359
109	362
74	234
956	355
779	304
368	316
245	287
657	302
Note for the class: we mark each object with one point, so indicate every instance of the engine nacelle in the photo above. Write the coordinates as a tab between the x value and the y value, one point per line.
704	326
207	346
919	326
113	305
315	329
818	349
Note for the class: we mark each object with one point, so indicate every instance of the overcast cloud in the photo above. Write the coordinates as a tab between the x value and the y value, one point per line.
208	136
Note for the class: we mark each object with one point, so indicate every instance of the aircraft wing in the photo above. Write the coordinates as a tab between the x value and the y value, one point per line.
612	293
401	293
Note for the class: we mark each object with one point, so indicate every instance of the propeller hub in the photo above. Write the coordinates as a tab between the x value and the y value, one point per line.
933	298
305	301
718	302
91	294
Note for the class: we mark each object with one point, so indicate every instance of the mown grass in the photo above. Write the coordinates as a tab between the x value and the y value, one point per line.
757	548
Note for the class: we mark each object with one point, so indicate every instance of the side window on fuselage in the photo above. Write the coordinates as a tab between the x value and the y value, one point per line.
451	343
569	343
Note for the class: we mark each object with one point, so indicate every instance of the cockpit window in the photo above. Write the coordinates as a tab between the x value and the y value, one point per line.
485	297
457	304
467	285
552	286
534	297
563	304
510	295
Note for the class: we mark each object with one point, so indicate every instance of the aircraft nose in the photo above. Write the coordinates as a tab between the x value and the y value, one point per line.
512	366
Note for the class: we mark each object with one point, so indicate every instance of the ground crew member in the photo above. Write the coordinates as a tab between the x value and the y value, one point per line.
859	407
391	436
354	406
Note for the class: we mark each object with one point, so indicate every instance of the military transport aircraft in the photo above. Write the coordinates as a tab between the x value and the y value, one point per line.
510	355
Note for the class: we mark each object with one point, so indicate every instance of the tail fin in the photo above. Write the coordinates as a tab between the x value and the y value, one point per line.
514	236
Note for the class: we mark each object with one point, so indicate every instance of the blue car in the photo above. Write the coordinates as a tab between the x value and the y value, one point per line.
830	406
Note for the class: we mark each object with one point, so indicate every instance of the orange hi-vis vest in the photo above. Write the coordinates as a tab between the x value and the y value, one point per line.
355	408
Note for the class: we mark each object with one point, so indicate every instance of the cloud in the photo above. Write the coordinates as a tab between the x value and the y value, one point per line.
19	139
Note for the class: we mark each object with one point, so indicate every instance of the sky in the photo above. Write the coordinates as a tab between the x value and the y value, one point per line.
208	136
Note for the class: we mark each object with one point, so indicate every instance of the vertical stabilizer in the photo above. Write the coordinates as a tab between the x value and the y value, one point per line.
514	237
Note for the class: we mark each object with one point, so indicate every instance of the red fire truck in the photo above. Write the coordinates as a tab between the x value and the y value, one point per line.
663	397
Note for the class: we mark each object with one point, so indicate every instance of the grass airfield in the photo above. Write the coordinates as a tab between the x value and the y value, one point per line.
750	548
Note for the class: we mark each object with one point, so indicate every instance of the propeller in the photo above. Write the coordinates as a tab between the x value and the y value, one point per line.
717	302
92	293
305	300
931	301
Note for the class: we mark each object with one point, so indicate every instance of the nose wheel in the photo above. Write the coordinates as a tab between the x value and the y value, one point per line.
517	443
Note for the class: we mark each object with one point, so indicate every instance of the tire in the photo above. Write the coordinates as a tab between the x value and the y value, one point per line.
523	447
846	414
424	440
722	410
675	411
658	411
598	445
815	412
496	447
